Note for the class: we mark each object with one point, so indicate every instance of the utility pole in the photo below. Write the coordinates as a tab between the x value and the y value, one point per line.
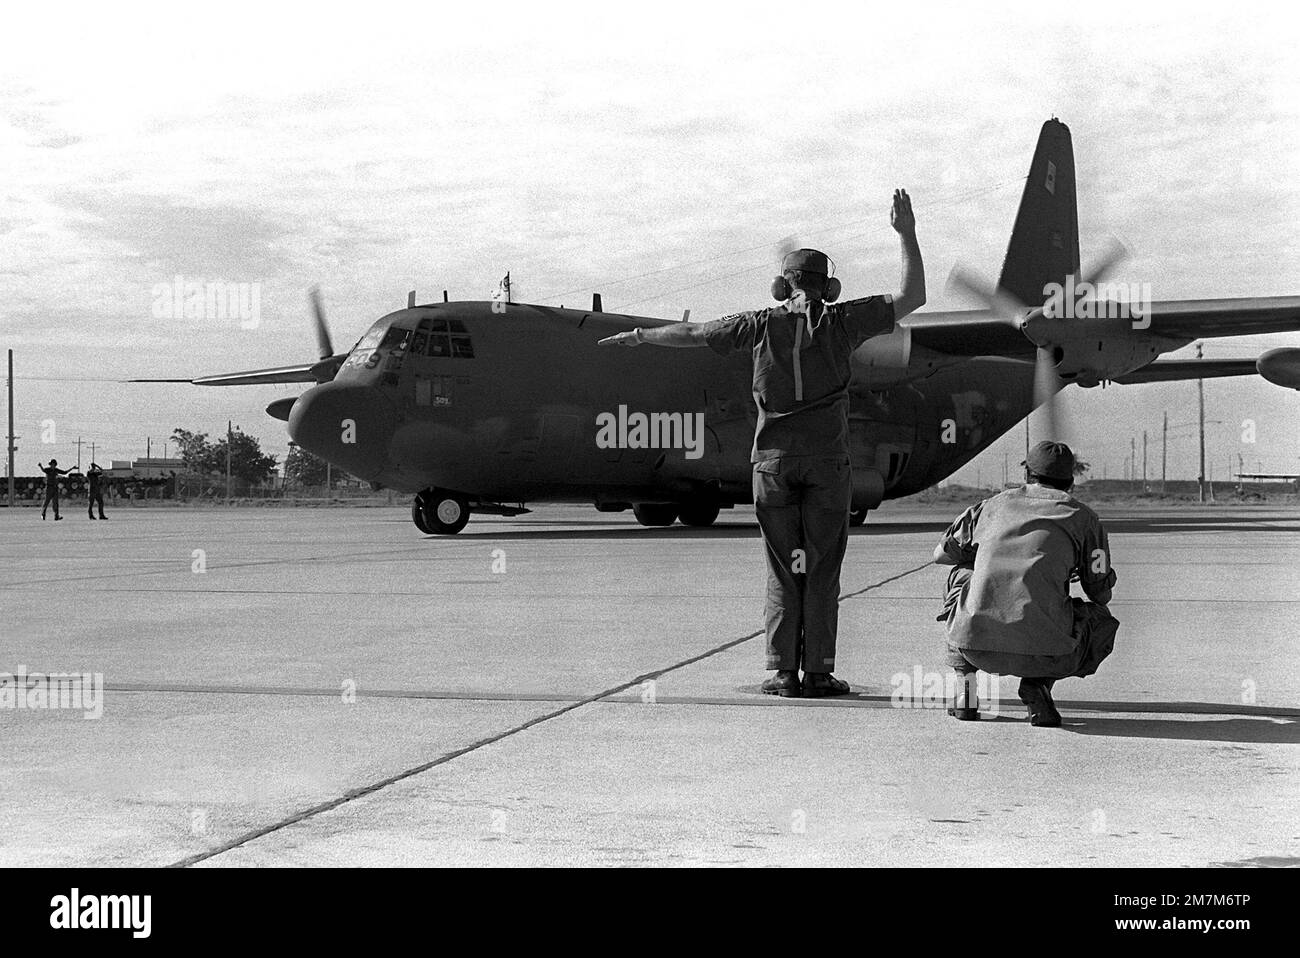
148	447
11	428
1132	458
92	452
1200	396
230	435
78	454
1144	460
1164	455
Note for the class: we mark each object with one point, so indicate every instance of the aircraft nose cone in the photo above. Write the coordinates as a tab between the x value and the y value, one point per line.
346	424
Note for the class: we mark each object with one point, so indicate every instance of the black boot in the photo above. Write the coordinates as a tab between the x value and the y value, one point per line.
1037	695
965	700
785	684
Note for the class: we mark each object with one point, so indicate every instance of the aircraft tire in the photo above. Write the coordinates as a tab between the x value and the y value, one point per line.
417	516
699	514
444	513
858	518
655	513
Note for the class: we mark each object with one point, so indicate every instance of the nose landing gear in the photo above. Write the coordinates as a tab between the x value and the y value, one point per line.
440	512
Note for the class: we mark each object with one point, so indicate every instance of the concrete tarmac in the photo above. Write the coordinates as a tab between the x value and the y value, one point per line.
328	686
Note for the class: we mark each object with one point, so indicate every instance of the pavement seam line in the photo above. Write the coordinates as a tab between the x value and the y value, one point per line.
373	787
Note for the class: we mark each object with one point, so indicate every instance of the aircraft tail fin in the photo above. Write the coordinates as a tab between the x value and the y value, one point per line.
1044	245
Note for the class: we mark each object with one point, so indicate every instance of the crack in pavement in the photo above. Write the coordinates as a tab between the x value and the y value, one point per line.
353	794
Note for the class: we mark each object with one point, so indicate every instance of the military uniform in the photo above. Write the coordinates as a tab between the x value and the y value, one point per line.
95	495
1008	606
52	473
802	477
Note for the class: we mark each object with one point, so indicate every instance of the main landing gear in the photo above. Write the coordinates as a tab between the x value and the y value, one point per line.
440	512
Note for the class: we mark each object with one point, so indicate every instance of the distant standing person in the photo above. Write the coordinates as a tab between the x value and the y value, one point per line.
95	476
52	473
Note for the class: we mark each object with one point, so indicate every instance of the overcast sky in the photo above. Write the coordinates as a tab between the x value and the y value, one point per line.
373	149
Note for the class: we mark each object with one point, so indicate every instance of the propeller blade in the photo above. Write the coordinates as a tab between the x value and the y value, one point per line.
322	329
1114	254
1047	384
997	301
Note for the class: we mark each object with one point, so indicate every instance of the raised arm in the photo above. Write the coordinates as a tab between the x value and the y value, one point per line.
912	295
674	334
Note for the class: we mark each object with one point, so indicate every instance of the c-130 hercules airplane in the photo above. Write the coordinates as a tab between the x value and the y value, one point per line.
487	406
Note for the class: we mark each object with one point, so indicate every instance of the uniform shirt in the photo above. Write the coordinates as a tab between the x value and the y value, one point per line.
95	477
802	371
1025	544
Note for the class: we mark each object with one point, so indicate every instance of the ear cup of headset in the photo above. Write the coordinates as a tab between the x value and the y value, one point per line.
833	290
781	289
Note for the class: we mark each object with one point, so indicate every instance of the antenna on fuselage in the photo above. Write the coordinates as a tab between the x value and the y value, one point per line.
686	316
596	305
410	300
444	296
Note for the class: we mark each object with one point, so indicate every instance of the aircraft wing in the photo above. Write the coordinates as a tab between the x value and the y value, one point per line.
978	333
1173	370
317	372
1209	318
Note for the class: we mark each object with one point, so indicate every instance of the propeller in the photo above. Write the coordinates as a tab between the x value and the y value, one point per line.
1045	333
322	328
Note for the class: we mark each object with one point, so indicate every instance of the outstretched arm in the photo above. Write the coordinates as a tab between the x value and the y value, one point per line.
912	295
675	334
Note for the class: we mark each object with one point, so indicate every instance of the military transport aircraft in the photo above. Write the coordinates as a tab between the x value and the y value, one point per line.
487	406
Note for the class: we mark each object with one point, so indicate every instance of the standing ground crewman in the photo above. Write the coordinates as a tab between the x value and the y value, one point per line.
95	495
1008	605
52	473
802	482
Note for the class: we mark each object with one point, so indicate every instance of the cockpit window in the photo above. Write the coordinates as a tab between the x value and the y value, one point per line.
441	339
396	338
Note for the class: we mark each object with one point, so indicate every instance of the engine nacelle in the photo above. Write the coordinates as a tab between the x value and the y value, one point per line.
885	361
1103	355
1281	367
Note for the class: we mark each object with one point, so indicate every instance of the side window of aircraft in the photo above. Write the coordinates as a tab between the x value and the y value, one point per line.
397	339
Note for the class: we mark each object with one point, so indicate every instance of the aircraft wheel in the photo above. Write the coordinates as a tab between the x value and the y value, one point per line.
417	516
699	514
444	513
655	513
858	518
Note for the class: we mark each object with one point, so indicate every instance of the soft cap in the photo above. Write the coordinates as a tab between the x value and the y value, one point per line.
1051	459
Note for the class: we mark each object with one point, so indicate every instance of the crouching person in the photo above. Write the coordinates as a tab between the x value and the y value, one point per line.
1007	605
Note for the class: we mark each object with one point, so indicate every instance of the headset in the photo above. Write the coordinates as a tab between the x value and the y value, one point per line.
782	290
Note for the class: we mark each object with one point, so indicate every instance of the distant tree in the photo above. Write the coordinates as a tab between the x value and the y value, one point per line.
206	458
247	461
303	468
197	452
1080	467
